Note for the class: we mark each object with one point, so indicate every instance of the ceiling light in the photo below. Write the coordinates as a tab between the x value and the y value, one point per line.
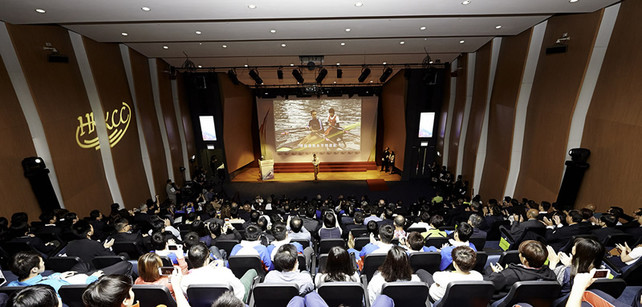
199	32
338	63
422	28
145	9
386	73
251	6
283	45
461	41
297	75
254	74
232	75
466	2
224	46
279	74
200	44
358	4
335	81
41	11
165	47
384	63
572	1
371	81
322	73
245	65
124	34
200	66
272	31
430	62
291	64
364	74
401	42
343	44
348	30
339	72
498	27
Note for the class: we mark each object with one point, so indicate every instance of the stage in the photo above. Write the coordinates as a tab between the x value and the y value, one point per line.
251	174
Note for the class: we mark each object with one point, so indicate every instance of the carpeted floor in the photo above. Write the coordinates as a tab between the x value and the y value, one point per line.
377	185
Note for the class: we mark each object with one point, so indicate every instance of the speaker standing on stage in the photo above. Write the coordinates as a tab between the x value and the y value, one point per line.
315	162
385	159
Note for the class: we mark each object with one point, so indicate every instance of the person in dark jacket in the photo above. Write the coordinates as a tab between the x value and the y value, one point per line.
532	255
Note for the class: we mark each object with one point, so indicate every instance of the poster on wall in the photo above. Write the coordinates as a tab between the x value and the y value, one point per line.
317	125
208	131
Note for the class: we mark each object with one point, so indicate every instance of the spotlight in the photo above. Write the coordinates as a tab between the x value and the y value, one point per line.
339	73
279	73
385	75
297	75
232	75
255	75
322	73
364	74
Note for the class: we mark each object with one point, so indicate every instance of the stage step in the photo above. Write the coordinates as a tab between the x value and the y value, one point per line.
324	167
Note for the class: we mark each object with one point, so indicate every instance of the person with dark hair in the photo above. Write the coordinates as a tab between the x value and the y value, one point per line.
86	248
309	221
382	246
460	238
436	221
35	296
372	229
228	299
28	266
286	264
338	267
124	233
396	267
518	225
607	223
533	255
252	246
558	237
464	259
280	233
424	221
20	233
206	271
586	254
148	265
475	220
415	243
635	227
330	228
297	231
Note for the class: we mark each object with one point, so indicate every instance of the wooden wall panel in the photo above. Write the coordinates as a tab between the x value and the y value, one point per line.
147	112
614	121
111	82
556	87
237	103
458	112
16	145
60	97
477	111
393	100
501	121
169	117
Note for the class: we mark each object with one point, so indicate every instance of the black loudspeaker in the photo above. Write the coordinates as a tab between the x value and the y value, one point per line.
573	176
38	175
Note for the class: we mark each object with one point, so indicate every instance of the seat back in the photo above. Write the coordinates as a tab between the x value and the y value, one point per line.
71	295
358	231
417	229
100	262
371	264
633	275
277	294
127	247
482	258
360	242
479	242
428	261
326	244
407	293
323	259
153	295
437	242
226	245
239	264
613	287
509	257
569	245
620	238
304	243
61	264
477	294
346	293
494	233
205	295
537	293
10	290
13	248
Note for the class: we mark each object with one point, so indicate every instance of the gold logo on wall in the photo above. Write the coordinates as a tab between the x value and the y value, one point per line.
117	122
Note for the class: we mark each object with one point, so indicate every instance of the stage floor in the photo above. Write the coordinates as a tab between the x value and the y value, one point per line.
252	175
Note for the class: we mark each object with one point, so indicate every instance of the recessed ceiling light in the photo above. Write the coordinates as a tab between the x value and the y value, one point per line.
273	31
572	1
422	28
198	32
461	41
348	29
165	47
401	42
145	9
291	64
251	6
384	63
335	81
200	66
245	65
430	62
224	46
371	81
466	2
358	4
498	27
41	11
343	44
200	44
338	63
124	34
283	45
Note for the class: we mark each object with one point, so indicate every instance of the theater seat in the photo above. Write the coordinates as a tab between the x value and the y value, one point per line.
371	263
226	245
326	244
239	264
509	257
467	293
346	293
100	262
428	261
407	293
153	295
61	264
71	295
537	293
205	295
271	295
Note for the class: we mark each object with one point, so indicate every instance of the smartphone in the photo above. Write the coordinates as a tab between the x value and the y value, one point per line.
166	270
603	273
172	247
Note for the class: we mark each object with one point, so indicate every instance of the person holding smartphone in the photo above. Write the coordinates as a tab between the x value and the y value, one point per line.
152	272
586	254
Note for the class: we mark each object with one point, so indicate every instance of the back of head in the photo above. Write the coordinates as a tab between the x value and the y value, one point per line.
415	240
19	217
464	231
34	296
121	224
296	223
586	213
608	220
158	241
372	227
23	262
437	221
280	232
546	205
190	239
474	220
359	218
19	229
285	258
107	291
339	264
425	216
532	213
329	220
400	221
81	228
465	257
588	255
148	265
198	254
386	233
534	252
215	229
396	266
576	216
228	300
252	232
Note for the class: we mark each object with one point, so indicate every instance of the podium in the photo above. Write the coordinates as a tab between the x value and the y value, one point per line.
267	169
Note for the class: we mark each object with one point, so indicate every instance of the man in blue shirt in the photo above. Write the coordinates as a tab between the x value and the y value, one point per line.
461	236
